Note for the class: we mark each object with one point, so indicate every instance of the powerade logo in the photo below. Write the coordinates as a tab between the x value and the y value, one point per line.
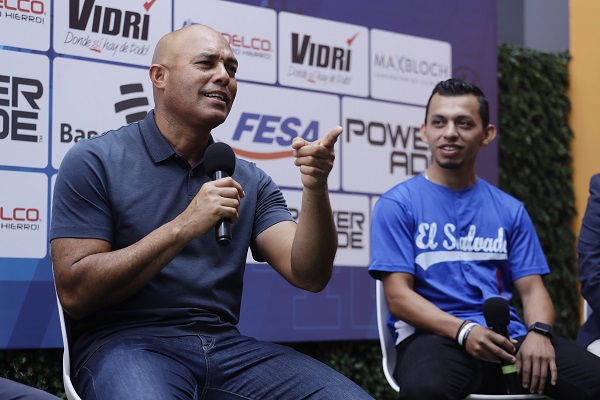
409	154
23	10
19	108
114	24
266	129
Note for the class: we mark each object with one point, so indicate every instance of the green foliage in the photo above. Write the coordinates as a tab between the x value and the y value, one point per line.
37	368
358	360
535	163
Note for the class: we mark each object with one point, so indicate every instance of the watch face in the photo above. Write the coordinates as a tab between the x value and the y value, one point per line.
542	328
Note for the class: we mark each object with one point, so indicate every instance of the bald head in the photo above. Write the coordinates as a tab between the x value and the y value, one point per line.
174	42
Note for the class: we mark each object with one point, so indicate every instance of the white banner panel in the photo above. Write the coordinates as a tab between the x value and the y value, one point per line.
405	68
24	109
251	32
352	216
105	97
381	144
97	29
23	214
319	54
25	23
264	120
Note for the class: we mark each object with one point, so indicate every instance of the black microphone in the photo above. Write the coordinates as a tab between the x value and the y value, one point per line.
497	317
219	162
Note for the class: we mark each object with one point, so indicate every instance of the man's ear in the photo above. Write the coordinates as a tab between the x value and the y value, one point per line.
489	134
422	133
158	75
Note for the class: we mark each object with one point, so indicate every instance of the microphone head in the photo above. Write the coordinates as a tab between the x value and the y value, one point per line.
496	312
219	156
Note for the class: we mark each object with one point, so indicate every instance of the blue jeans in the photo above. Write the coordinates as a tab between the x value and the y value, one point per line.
200	367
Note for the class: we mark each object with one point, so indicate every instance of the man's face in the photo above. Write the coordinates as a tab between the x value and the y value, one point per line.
201	83
454	131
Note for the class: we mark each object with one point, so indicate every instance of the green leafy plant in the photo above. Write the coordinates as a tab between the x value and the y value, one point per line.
535	163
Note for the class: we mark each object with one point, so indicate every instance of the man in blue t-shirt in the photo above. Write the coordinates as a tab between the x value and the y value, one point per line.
152	300
446	241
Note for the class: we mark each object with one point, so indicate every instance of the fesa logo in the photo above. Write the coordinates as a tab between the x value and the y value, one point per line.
24	6
272	130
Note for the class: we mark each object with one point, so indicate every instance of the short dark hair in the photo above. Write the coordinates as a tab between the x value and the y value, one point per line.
457	87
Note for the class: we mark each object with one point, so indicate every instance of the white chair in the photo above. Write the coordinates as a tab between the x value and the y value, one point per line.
388	352
69	389
587	310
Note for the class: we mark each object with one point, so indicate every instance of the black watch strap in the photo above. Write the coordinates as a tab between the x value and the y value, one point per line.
541	328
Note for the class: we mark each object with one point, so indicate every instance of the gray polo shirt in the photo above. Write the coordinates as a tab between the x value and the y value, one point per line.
123	184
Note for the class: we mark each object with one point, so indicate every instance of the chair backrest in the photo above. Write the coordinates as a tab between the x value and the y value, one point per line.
69	389
388	352
587	310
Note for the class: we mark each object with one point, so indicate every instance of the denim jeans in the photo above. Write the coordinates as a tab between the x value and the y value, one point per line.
201	367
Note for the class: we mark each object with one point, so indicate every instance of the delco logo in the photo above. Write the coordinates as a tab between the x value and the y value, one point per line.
23	10
19	219
317	55
14	121
108	20
19	214
412	160
272	129
24	6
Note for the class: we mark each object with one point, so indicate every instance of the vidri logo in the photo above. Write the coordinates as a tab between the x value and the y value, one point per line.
132	105
18	117
272	130
115	26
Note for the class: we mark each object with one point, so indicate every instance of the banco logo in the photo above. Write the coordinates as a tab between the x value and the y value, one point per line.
272	130
19	108
133	103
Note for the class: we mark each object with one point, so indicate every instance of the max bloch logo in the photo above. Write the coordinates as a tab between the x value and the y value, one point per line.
132	104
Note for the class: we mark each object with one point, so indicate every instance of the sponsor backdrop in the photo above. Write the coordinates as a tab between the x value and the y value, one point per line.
74	68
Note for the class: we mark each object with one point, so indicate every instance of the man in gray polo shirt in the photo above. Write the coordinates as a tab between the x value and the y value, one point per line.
152	299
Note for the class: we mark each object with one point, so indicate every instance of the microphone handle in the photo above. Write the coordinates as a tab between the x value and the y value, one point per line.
223	227
513	385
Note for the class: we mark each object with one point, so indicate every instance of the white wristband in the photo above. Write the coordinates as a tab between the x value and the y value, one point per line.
464	331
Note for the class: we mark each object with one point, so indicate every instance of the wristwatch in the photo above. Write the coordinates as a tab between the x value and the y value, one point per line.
541	328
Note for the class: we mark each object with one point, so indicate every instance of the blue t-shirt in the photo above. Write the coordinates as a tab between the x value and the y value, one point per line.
122	185
462	247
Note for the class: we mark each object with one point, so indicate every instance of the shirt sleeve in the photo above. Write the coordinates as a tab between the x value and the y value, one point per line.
391	239
525	254
81	207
